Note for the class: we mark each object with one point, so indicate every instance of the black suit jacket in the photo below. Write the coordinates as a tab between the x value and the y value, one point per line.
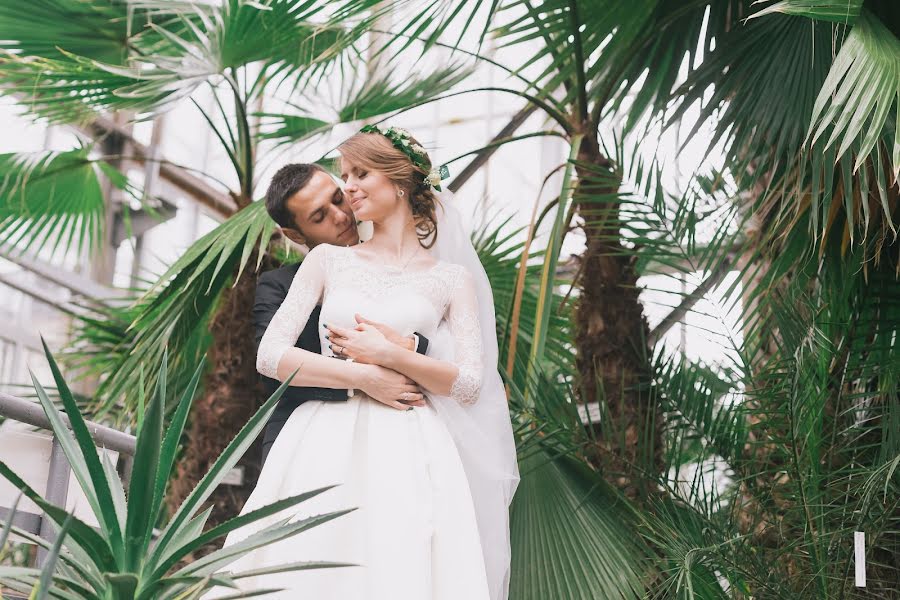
271	290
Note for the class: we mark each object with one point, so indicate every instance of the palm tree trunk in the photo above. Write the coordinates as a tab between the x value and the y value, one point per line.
611	338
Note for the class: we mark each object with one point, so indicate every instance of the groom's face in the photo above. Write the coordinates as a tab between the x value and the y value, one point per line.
322	214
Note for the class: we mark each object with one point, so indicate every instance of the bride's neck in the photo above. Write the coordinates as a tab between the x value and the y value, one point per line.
395	235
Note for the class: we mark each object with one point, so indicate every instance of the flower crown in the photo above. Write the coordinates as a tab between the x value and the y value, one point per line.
402	141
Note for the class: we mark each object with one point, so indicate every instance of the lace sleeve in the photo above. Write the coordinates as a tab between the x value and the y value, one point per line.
465	330
291	317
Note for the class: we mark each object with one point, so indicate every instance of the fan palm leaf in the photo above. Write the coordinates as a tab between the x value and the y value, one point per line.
53	200
838	11
862	89
572	535
94	30
376	97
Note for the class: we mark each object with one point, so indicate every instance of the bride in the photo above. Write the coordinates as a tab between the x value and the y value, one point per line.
431	483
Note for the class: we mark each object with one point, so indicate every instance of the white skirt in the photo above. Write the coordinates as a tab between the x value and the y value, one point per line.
413	535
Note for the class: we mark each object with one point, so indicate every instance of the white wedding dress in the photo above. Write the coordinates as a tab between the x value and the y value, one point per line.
414	534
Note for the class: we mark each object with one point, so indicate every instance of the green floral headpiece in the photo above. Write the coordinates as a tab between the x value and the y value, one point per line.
402	141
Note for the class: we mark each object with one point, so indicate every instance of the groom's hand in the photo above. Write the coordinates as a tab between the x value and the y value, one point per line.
390	387
369	342
389	334
362	345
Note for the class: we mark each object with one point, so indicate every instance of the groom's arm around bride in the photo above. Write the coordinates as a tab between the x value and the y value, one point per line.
310	208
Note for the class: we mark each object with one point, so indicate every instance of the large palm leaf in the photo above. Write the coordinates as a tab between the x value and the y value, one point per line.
863	85
762	448
53	200
377	96
95	30
69	59
573	535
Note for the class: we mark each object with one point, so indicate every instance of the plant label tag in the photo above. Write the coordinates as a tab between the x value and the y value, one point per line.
859	548
234	477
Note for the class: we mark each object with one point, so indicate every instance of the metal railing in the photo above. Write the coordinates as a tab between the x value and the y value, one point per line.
59	472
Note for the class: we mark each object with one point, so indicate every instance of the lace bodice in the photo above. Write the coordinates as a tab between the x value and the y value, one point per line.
346	284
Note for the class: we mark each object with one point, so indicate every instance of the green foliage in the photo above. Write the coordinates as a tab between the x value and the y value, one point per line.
123	560
862	89
500	254
94	30
53	200
778	454
809	453
839	11
572	535
813	126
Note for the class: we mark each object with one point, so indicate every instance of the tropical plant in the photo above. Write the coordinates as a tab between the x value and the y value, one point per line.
818	140
572	533
127	558
776	464
797	421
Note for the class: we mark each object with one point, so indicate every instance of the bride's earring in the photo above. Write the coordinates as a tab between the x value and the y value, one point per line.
401	193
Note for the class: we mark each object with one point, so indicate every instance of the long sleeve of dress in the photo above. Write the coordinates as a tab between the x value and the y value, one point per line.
465	329
287	323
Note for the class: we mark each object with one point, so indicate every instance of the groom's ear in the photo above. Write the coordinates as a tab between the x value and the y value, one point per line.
294	235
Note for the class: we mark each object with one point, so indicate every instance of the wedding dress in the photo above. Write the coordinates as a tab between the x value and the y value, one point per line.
413	534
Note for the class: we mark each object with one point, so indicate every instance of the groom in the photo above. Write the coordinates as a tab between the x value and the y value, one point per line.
311	209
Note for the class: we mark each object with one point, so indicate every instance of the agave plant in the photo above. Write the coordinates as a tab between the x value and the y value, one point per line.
128	557
40	590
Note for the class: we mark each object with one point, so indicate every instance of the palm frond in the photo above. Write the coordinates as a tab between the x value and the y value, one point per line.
53	200
838	11
501	257
74	89
862	89
703	406
384	94
175	47
572	535
94	30
776	67
284	128
371	99
427	21
807	443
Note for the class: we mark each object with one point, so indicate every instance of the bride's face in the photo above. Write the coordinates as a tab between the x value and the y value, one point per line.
372	195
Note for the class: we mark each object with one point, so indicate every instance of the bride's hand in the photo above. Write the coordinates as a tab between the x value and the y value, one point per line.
364	344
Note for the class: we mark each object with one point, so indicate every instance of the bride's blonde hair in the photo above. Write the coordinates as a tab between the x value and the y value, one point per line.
374	152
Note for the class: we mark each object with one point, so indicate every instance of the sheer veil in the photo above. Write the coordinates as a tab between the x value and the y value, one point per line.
482	431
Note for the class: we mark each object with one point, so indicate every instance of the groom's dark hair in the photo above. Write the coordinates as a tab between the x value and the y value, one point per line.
289	180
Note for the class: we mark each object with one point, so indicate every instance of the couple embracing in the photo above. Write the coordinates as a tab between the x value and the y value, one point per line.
413	422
